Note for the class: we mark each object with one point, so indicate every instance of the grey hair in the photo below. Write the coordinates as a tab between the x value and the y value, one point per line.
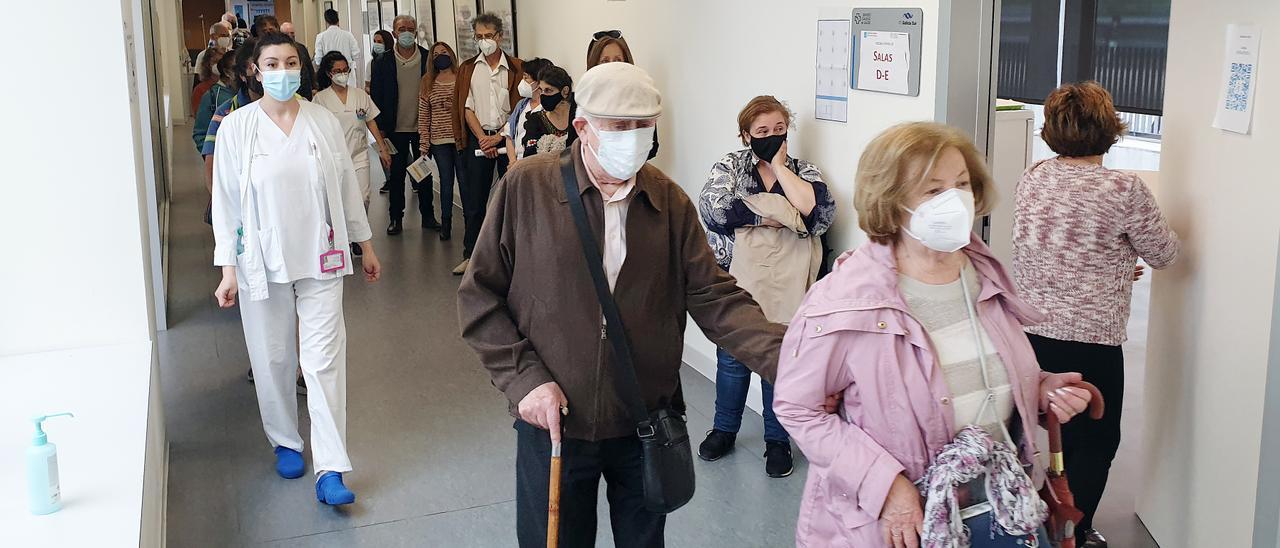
399	18
214	27
488	18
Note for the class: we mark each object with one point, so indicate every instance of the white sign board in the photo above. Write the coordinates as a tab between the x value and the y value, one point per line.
832	87
1239	79
884	61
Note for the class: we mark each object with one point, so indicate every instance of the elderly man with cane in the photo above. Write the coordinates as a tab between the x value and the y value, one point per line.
598	221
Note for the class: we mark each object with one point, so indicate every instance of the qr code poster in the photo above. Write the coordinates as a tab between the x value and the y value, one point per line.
1238	84
1239	79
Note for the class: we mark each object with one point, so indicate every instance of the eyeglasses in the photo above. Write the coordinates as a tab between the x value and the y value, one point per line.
615	34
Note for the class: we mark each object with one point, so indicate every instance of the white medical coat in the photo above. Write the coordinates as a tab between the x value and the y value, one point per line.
236	212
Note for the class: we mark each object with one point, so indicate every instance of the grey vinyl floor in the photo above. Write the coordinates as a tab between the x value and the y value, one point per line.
429	436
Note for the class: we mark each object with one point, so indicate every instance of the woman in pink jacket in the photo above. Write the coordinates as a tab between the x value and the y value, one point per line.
893	328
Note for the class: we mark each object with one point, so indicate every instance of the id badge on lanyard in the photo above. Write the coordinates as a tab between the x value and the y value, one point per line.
334	259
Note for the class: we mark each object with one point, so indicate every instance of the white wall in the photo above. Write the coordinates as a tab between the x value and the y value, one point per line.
1211	314
709	58
71	200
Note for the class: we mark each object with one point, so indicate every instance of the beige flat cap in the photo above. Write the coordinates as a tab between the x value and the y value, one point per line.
618	90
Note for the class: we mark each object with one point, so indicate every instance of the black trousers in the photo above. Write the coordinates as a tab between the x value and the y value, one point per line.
406	144
582	465
1088	445
475	190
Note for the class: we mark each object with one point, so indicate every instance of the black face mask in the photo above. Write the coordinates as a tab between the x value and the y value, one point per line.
255	87
443	62
550	102
765	148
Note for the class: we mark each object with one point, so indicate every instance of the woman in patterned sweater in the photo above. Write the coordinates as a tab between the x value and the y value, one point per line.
763	166
1079	229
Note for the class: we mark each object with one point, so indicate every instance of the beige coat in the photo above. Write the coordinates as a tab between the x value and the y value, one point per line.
776	265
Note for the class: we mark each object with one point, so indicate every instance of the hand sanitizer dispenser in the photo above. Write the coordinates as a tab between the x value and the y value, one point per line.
44	494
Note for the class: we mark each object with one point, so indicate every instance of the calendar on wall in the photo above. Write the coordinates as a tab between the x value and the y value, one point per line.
833	60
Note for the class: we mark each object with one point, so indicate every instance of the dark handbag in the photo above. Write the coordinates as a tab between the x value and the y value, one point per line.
667	458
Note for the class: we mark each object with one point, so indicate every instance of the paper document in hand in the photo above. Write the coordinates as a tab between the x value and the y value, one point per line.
423	168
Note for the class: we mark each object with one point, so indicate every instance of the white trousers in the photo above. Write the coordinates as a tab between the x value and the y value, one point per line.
310	312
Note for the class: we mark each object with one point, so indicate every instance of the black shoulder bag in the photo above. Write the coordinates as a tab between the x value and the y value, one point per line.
664	438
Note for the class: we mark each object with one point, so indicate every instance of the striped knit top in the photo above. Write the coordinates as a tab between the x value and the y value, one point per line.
942	310
1077	234
435	115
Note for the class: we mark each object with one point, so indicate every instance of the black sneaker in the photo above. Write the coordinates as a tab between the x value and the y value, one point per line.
1091	538
250	375
777	459
717	444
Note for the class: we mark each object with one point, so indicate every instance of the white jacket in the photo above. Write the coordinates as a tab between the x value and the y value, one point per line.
336	39
233	202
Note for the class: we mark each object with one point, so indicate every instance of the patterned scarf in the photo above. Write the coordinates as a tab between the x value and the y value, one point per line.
1016	505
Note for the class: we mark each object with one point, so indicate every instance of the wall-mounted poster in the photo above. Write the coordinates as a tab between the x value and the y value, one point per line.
505	10
424	12
463	12
1239	79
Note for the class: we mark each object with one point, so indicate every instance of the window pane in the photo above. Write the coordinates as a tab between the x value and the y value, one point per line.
1130	47
1028	68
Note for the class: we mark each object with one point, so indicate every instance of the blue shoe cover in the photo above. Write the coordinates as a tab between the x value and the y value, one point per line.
331	491
289	463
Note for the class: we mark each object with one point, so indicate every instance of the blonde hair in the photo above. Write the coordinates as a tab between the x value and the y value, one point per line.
896	163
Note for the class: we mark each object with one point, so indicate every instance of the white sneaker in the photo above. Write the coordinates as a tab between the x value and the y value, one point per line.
462	267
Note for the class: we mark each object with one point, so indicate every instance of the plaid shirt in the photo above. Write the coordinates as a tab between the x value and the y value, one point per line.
210	136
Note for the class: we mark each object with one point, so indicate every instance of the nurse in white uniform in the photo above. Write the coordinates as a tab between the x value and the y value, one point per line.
355	110
286	204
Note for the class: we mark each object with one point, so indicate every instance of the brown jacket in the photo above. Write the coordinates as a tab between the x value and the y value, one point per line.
462	90
528	307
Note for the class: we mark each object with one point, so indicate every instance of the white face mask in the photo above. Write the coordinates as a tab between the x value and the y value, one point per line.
341	78
223	43
525	89
623	153
487	47
943	223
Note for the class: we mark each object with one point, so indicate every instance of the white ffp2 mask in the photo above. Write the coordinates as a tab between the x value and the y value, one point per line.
623	153
487	46
525	89
943	223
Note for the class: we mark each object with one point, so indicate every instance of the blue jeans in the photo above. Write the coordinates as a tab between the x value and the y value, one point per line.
733	380
447	159
980	535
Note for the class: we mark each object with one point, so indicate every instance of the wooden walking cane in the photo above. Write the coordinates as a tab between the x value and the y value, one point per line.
553	492
553	499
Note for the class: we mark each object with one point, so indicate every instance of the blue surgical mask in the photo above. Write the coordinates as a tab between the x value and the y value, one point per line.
281	84
378	48
405	39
